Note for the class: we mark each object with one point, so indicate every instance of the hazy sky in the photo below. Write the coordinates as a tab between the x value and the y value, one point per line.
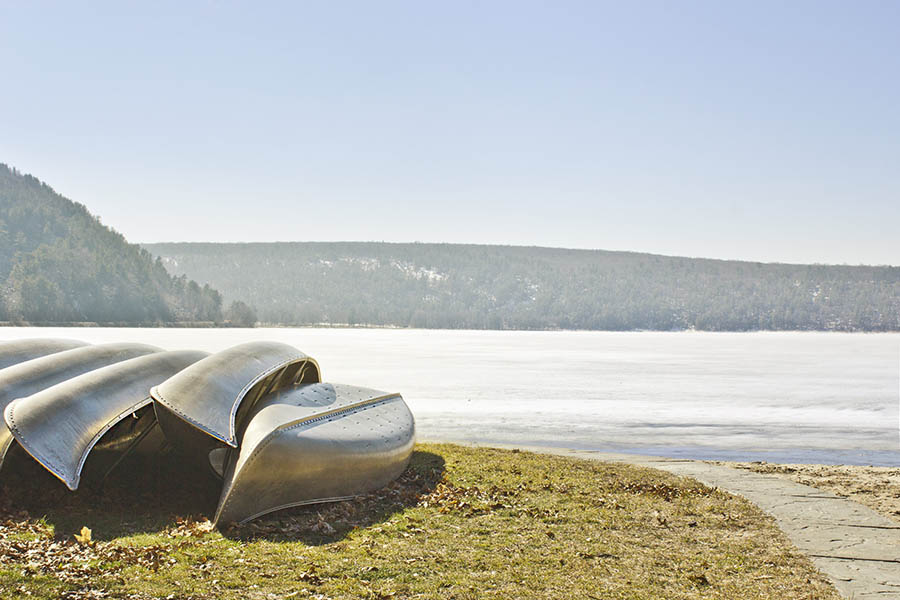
755	130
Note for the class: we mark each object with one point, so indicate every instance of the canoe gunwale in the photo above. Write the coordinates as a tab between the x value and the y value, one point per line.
292	505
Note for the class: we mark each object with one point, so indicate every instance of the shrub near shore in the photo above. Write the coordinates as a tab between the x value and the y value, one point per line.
460	523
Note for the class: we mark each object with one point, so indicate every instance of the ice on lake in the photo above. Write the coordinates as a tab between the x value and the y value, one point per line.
810	397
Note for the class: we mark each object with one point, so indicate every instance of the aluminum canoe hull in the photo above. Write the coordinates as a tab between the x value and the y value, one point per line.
315	443
17	351
257	414
60	425
30	377
209	394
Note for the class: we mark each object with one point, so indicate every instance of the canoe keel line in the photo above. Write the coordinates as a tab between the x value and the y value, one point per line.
256	415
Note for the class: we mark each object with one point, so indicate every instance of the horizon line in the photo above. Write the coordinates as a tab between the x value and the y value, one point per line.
535	246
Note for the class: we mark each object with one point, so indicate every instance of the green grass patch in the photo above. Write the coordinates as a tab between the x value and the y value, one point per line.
461	523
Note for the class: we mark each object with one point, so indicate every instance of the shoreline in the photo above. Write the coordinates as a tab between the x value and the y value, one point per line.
263	325
875	487
821	457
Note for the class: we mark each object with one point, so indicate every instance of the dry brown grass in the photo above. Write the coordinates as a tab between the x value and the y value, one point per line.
461	523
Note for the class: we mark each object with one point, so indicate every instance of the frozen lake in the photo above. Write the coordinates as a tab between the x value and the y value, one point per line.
788	397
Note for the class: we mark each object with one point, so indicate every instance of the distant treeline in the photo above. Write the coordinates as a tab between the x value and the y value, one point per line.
502	287
59	264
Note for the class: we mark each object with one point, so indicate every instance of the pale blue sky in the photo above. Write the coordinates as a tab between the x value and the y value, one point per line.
754	130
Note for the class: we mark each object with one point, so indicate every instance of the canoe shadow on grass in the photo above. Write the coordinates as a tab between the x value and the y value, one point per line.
329	522
155	494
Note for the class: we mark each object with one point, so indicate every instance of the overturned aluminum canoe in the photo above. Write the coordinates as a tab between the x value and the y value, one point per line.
315	443
30	377
200	408
59	425
18	351
256	414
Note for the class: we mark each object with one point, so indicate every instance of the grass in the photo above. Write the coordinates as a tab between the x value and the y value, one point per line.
461	523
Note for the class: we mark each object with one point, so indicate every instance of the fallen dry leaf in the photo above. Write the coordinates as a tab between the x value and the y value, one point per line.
84	537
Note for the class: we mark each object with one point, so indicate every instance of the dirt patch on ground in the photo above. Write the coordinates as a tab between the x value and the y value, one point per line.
875	487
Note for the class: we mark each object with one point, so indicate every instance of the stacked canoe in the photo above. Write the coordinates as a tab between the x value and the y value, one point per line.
257	416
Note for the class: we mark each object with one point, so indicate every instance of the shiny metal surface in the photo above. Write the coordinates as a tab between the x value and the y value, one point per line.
213	394
27	378
255	414
17	351
315	443
59	425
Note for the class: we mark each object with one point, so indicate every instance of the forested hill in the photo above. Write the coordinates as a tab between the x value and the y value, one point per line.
58	263
503	287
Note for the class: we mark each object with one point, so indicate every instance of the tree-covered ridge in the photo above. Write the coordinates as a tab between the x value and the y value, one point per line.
503	287
58	263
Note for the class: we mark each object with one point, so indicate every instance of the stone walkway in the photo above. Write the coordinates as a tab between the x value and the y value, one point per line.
858	549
